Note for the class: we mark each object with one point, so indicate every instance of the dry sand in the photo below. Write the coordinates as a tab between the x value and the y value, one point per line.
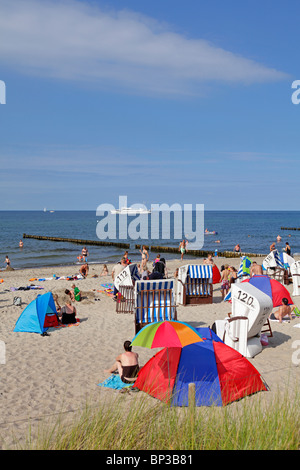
43	376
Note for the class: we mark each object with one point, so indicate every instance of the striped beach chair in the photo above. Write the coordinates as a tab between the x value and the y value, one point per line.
154	301
274	267
124	283
195	284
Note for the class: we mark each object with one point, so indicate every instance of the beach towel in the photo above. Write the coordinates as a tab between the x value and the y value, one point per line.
115	382
61	325
273	318
108	289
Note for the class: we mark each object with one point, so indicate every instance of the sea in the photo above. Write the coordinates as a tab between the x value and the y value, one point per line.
254	231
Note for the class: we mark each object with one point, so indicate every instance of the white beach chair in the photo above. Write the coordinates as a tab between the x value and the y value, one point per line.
273	260
295	272
274	267
124	283
195	284
154	301
250	312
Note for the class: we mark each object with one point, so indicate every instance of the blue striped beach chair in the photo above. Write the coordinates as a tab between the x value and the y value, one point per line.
154	301
195	284
274	267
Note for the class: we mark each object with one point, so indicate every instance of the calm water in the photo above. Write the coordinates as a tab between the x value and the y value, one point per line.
253	230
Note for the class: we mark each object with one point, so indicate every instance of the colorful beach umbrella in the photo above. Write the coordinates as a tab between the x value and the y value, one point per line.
271	287
169	334
220	374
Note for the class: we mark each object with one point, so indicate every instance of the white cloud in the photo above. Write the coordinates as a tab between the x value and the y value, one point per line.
74	40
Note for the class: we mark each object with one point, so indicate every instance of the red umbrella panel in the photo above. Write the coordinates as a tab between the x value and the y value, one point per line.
272	288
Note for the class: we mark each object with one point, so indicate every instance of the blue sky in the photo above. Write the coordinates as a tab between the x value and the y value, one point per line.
166	101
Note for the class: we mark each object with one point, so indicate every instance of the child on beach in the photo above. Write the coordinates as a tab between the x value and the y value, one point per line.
104	270
76	293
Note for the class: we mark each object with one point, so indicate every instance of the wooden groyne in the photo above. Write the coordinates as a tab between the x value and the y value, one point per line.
200	253
290	228
78	241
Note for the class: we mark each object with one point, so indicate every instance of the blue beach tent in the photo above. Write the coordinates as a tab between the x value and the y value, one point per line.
32	319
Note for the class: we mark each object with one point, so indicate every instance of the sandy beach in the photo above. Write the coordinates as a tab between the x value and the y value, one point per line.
43	376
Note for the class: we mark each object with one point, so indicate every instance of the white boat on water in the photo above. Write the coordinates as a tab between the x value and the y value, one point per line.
130	211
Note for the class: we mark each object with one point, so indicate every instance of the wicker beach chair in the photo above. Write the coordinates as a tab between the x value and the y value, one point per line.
154	301
250	312
195	285
124	283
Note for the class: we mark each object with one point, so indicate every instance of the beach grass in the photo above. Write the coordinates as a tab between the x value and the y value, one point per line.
252	425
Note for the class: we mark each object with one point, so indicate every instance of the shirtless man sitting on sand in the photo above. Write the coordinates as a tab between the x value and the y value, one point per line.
284	309
256	269
127	364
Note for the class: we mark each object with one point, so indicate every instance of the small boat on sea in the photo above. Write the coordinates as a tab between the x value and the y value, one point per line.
130	211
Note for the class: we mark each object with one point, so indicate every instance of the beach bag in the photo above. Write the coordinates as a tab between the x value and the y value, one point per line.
50	320
17	301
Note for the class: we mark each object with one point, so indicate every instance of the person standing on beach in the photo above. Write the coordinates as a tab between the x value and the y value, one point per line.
272	247
225	285
84	253
145	258
287	248
183	248
7	261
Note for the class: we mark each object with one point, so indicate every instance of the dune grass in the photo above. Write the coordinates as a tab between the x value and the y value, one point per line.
143	425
